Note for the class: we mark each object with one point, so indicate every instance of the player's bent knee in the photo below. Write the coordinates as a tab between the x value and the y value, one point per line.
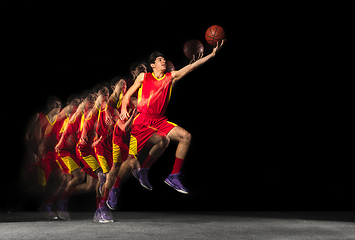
92	186
187	137
165	140
116	166
81	176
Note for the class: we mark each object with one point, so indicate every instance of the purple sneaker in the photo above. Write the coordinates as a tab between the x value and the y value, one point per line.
103	214
62	210
47	212
142	176
112	198
173	180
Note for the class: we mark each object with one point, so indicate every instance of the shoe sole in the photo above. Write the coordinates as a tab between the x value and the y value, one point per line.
146	187
61	217
180	191
66	219
101	221
49	218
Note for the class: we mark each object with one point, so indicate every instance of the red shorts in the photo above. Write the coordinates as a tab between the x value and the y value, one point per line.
48	164
68	161
143	127
119	148
87	156
103	153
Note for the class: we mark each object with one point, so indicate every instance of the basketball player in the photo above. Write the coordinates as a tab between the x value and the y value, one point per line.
34	136
66	156
35	181
154	90
47	156
114	151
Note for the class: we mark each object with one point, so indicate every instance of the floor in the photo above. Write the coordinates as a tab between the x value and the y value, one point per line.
183	225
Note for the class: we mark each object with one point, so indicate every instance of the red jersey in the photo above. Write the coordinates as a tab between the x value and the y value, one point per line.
70	133
54	131
34	134
103	129
154	94
89	125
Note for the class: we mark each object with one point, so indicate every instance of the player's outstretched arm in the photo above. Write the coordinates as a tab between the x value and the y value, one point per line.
125	102
177	75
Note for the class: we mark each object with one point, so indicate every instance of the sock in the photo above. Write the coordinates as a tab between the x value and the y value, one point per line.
117	183
148	161
67	193
177	165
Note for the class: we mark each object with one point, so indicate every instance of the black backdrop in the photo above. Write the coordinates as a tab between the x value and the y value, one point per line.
255	112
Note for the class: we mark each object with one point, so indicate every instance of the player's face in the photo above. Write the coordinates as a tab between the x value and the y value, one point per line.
141	69
55	104
104	91
160	64
90	101
75	102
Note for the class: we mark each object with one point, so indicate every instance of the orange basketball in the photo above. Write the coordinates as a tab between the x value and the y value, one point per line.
214	35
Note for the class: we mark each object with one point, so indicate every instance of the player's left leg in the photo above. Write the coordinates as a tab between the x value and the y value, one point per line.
184	138
78	176
88	186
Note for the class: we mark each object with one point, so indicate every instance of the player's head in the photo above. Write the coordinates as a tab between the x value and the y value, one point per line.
102	90
138	67
157	61
54	102
116	80
89	98
74	100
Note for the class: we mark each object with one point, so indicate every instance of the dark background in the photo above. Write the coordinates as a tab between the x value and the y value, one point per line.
262	133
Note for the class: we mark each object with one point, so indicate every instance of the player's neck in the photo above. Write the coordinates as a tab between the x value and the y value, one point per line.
158	74
51	116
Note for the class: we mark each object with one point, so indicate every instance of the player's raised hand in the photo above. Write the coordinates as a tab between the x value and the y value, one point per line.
218	47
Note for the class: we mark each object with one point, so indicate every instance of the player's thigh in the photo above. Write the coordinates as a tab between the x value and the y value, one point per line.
155	139
178	133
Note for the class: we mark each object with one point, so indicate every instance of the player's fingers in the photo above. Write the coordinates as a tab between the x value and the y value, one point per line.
223	41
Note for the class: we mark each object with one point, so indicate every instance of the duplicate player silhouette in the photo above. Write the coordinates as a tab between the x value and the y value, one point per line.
150	125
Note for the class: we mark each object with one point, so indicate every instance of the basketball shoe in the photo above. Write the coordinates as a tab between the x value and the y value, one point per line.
173	180
47	212
62	210
103	214
112	198
142	176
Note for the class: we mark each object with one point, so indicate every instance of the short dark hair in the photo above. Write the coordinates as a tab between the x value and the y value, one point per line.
116	80
100	85
86	93
52	99
71	97
154	56
136	64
